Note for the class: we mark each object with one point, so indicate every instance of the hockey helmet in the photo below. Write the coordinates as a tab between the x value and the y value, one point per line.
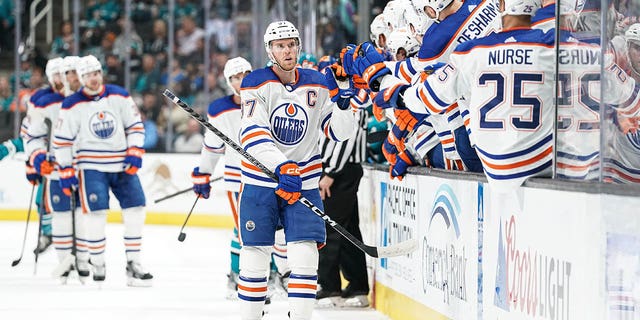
521	7
54	66
402	39
417	23
86	65
235	66
633	33
281	30
378	27
435	5
69	63
394	14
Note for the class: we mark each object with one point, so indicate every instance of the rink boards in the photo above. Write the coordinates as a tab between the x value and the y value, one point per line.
160	175
532	254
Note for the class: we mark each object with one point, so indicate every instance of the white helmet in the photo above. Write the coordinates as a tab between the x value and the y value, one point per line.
419	5
233	67
378	26
436	5
402	38
521	7
394	14
54	66
281	30
571	7
69	63
86	65
417	23
633	33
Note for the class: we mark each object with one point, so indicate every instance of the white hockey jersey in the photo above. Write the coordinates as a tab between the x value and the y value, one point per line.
97	130
224	114
45	108
280	122
507	79
578	143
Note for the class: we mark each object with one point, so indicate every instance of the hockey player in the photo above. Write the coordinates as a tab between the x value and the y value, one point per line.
284	109
511	116
55	201
101	126
224	114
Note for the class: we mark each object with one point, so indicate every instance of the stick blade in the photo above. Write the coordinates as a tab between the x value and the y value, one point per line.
16	262
182	236
167	93
398	249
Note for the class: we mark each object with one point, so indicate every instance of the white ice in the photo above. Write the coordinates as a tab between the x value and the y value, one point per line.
189	280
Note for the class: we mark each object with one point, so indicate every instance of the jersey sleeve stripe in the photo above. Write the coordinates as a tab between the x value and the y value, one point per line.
404	73
435	97
253	135
255	143
516	175
534	147
253	128
518	164
63	138
427	103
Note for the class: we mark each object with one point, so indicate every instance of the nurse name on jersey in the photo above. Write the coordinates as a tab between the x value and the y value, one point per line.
510	56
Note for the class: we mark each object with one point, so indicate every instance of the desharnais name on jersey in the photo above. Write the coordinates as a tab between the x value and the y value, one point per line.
224	114
94	131
283	122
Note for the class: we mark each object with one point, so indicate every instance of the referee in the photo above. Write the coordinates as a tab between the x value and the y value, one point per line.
341	176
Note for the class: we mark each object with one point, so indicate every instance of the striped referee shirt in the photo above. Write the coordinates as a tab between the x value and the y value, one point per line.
335	155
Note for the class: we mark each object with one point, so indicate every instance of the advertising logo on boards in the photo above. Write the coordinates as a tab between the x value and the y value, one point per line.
444	257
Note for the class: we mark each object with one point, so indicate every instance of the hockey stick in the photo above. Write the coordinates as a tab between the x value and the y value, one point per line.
182	191
24	239
398	249
47	122
183	235
74	241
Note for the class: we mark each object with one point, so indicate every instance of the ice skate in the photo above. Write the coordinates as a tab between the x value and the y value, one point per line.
83	271
138	276
99	272
44	242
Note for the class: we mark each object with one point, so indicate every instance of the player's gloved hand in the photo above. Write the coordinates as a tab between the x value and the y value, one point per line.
32	175
339	90
368	63
133	160
389	151
68	180
42	162
346	59
404	161
6	149
289	182
358	82
391	97
406	122
201	183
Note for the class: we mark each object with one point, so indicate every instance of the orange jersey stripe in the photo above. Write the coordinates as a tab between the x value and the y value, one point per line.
519	163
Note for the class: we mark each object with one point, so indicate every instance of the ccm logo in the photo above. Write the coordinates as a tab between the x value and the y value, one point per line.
293	171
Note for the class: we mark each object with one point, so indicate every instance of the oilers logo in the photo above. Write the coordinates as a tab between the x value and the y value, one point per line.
289	123
102	124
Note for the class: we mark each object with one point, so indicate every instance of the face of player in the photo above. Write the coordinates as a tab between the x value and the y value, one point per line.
93	80
236	80
285	52
57	82
72	79
634	55
401	54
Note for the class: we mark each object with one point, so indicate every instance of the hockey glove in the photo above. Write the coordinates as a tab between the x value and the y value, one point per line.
32	175
339	90
391	97
41	162
404	161
368	63
346	59
289	182
389	151
133	160
201	182
68	180
406	122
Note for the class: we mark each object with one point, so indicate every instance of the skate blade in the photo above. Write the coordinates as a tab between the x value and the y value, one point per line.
133	282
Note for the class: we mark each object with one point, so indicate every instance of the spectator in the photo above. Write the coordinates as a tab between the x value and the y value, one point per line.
6	96
159	40
114	73
103	10
6	25
150	132
187	37
191	140
185	9
149	78
132	46
215	91
106	48
62	45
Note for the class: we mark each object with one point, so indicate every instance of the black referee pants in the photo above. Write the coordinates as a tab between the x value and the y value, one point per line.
339	254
